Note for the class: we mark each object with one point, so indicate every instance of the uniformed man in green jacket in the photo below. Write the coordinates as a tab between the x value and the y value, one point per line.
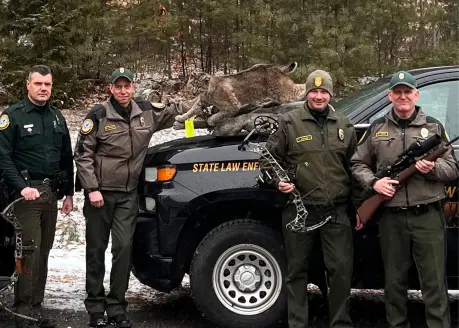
411	223
315	143
109	155
36	157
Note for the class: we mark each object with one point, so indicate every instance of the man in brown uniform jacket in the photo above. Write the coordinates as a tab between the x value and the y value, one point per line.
109	155
411	224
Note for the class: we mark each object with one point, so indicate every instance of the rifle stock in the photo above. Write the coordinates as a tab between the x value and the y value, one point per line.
369	206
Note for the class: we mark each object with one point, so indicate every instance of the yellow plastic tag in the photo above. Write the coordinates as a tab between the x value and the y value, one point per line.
189	128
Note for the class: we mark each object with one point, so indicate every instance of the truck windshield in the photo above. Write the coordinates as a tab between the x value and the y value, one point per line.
353	100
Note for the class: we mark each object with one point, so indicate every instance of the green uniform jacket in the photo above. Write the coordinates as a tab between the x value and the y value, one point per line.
38	142
385	139
315	156
110	150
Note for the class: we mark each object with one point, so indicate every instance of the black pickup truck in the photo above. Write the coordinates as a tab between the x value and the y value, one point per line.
204	214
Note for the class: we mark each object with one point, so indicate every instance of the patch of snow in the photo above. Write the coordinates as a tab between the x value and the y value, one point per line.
65	288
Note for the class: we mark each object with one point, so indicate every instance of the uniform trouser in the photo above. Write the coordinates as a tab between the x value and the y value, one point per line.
405	236
118	215
336	239
38	222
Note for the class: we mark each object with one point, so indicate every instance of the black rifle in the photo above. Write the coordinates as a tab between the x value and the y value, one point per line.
408	157
369	207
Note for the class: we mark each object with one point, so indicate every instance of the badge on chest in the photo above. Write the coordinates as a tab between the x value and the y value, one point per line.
28	127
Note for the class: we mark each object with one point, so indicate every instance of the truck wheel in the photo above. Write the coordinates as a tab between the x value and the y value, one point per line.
237	275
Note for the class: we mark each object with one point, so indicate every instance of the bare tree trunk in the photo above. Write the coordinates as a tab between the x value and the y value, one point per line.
201	45
226	46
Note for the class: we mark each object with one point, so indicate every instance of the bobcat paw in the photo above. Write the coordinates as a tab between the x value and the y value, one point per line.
178	126
211	121
180	118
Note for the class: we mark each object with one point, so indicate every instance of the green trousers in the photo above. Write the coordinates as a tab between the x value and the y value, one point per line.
38	221
118	216
336	239
405	237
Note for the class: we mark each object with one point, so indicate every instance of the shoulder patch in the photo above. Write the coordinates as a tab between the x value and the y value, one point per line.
87	126
4	121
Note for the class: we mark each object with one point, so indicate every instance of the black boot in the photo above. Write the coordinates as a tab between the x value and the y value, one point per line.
97	320
24	323
120	321
44	320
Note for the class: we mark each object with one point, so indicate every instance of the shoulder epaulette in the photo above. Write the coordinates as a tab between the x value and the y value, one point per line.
145	105
14	107
97	113
431	119
444	136
368	130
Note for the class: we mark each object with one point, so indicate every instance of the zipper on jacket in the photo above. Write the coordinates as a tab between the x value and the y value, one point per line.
322	133
45	158
129	159
406	182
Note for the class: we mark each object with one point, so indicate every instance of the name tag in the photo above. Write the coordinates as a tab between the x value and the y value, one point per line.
28	126
304	138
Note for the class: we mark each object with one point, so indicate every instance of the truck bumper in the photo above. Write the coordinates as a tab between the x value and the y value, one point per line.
149	267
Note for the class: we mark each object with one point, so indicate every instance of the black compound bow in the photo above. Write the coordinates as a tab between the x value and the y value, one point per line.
266	125
5	291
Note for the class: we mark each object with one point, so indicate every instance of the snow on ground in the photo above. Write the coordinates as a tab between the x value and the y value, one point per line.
66	277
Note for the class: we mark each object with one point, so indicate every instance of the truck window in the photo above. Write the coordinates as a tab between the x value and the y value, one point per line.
439	100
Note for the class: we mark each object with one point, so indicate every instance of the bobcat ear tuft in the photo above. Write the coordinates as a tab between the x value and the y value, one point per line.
293	66
290	68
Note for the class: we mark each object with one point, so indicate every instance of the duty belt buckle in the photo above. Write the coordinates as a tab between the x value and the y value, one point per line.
418	210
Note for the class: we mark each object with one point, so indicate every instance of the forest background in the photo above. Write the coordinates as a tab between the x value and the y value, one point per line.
84	40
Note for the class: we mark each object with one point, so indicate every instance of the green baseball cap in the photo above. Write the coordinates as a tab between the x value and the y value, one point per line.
122	72
404	78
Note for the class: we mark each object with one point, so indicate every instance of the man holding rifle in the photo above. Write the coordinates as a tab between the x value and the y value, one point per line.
411	221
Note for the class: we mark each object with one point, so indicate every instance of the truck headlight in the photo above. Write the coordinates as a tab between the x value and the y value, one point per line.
160	174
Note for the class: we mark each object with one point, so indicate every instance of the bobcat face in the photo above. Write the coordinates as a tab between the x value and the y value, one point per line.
197	83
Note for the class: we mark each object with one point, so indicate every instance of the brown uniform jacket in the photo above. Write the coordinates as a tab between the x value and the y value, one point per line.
110	151
385	139
318	158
